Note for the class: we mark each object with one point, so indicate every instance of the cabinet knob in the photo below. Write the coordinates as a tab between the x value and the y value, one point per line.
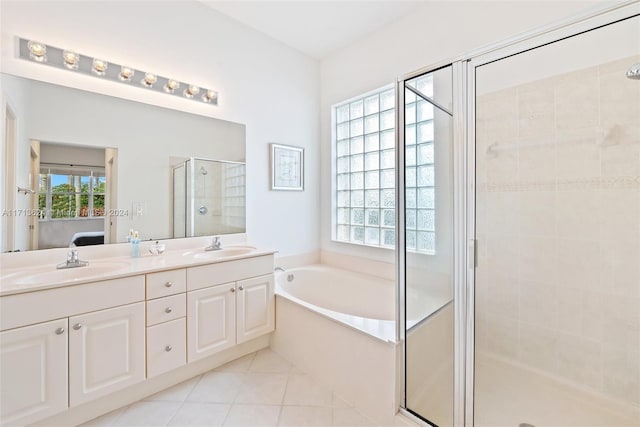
168	310
233	289
168	348
77	326
241	288
60	331
168	284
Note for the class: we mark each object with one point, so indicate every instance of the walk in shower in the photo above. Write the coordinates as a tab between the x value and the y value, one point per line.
557	285
521	211
208	198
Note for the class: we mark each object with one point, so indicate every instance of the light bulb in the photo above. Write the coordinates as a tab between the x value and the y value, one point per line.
210	95
149	79
191	91
171	86
100	67
71	59
126	74
37	51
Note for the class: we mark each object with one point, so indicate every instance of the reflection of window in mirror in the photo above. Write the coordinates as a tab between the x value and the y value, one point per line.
72	195
71	192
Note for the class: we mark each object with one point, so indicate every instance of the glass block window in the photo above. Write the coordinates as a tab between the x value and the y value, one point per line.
364	169
420	168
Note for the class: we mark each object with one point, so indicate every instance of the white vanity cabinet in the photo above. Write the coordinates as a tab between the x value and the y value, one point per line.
255	307
106	352
211	320
96	346
64	346
166	321
228	303
33	372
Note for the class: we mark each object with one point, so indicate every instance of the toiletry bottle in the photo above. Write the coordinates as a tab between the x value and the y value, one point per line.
135	245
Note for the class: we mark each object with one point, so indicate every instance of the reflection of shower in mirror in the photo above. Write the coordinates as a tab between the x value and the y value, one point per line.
208	197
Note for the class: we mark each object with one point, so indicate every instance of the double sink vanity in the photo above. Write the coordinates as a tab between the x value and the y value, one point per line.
129	325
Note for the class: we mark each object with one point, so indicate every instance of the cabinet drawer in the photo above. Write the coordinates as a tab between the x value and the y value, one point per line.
166	283
166	347
40	306
167	308
229	271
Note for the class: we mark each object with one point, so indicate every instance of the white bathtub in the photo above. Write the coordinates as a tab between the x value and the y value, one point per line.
339	327
362	302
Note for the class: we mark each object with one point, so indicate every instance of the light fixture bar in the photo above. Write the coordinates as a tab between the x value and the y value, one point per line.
98	67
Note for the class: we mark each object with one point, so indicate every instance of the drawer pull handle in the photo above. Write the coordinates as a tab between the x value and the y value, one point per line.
168	348
168	284
77	326
233	289
241	288
168	310
59	331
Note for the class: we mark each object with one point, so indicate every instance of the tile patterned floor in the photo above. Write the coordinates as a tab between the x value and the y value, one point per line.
260	389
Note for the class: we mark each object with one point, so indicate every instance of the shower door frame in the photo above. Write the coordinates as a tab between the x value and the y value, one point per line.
460	246
464	181
591	20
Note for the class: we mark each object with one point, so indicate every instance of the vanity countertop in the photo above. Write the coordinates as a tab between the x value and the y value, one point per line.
15	280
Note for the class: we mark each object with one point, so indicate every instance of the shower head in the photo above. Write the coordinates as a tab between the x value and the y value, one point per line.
634	72
203	171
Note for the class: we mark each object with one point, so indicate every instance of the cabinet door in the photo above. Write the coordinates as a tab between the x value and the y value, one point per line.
33	371
106	352
211	320
255	305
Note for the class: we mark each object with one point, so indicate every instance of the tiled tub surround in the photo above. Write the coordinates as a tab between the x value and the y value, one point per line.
87	312
558	225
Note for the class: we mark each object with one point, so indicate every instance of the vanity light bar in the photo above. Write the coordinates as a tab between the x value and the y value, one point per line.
69	60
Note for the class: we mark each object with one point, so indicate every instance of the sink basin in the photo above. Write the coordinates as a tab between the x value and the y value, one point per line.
222	253
51	274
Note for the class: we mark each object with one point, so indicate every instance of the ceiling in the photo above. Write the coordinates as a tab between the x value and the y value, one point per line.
315	28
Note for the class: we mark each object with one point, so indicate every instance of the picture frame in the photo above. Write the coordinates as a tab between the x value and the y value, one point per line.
287	167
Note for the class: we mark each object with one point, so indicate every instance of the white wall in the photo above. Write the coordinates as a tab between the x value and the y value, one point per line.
434	32
269	87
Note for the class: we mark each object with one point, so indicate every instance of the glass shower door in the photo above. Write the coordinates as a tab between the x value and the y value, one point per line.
557	285
428	245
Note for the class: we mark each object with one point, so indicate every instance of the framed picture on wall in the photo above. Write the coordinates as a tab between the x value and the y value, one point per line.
287	167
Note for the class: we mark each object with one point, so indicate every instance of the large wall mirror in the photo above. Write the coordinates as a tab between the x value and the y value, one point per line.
82	168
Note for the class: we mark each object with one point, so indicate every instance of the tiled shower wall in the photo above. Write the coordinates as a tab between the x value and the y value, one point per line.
558	226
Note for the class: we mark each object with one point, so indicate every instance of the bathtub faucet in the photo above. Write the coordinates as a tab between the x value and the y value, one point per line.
278	269
215	244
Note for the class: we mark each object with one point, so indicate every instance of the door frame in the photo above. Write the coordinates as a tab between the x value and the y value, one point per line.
9	179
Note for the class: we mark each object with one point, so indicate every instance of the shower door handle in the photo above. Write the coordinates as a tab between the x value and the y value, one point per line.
472	251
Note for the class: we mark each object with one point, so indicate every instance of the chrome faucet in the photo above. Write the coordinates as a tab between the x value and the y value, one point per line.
278	269
215	244
73	261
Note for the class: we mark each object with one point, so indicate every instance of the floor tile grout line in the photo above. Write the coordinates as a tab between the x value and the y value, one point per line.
284	393
226	416
174	414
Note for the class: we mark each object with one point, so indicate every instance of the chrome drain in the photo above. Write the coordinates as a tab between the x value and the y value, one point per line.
289	277
526	425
